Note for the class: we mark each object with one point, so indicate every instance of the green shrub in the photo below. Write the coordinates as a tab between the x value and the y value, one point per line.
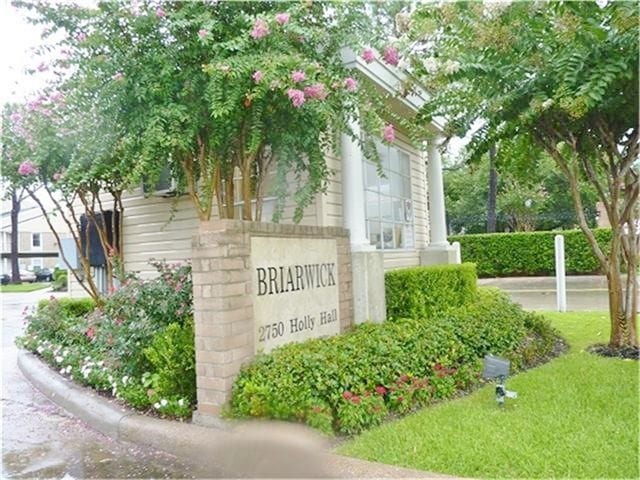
350	382
58	272
424	291
529	253
173	358
72	307
60	321
134	313
60	283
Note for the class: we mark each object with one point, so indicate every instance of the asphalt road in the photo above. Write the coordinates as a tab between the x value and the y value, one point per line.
40	440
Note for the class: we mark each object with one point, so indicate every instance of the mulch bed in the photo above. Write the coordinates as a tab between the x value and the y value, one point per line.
629	353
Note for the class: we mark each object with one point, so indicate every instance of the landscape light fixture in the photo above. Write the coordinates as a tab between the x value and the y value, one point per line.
496	367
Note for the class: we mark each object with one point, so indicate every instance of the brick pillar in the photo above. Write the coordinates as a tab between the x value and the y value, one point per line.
223	312
223	305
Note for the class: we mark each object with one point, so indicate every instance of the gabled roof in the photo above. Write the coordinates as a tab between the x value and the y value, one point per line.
391	80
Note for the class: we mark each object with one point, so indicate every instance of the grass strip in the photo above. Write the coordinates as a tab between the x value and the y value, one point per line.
575	417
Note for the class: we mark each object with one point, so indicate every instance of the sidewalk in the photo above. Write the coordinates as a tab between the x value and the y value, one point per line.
249	449
584	292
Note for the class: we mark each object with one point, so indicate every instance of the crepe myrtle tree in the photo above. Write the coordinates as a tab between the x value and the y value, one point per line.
222	91
46	152
561	77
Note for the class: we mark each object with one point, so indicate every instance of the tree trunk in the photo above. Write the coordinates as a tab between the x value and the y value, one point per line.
493	191
15	263
623	321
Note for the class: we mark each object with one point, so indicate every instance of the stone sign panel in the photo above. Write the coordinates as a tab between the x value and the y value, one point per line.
295	290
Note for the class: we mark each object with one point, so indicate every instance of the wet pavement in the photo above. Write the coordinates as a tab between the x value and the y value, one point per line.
41	440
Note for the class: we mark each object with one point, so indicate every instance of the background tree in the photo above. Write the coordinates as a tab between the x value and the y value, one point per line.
561	77
48	151
526	198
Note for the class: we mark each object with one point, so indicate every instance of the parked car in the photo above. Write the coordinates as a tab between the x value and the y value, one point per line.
27	276
44	275
5	279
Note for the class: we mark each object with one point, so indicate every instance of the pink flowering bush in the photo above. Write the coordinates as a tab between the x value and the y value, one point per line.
139	346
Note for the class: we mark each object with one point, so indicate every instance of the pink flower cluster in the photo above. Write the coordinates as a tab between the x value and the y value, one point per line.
296	97
389	133
257	76
36	104
368	55
351	397
260	29
27	168
202	33
15	117
282	18
350	84
57	97
118	76
298	76
391	56
160	13
317	90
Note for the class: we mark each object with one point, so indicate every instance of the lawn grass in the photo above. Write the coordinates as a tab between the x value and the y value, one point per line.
575	417
23	287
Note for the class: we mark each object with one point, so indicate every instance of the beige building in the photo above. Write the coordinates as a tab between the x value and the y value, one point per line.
37	246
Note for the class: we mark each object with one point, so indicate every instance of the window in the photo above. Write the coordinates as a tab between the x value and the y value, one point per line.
36	240
388	205
36	264
268	201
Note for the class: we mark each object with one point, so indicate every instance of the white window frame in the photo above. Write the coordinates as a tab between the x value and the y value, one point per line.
34	247
401	201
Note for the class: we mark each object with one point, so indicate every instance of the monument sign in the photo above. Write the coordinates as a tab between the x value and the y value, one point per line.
295	290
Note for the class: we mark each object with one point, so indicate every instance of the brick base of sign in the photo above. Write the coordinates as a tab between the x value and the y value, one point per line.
228	289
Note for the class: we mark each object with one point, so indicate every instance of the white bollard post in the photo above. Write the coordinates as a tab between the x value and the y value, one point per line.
561	283
456	247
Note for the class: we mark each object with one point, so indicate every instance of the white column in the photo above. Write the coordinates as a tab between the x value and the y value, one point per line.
353	192
438	230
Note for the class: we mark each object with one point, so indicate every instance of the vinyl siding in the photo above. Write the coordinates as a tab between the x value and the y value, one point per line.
162	228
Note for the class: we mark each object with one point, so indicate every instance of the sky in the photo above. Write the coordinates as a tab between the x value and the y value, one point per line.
18	39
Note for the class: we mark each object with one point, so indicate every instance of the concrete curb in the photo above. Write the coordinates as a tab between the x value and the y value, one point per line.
226	449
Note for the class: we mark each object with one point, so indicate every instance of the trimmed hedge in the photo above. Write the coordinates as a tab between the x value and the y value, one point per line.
425	291
350	382
70	307
529	253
